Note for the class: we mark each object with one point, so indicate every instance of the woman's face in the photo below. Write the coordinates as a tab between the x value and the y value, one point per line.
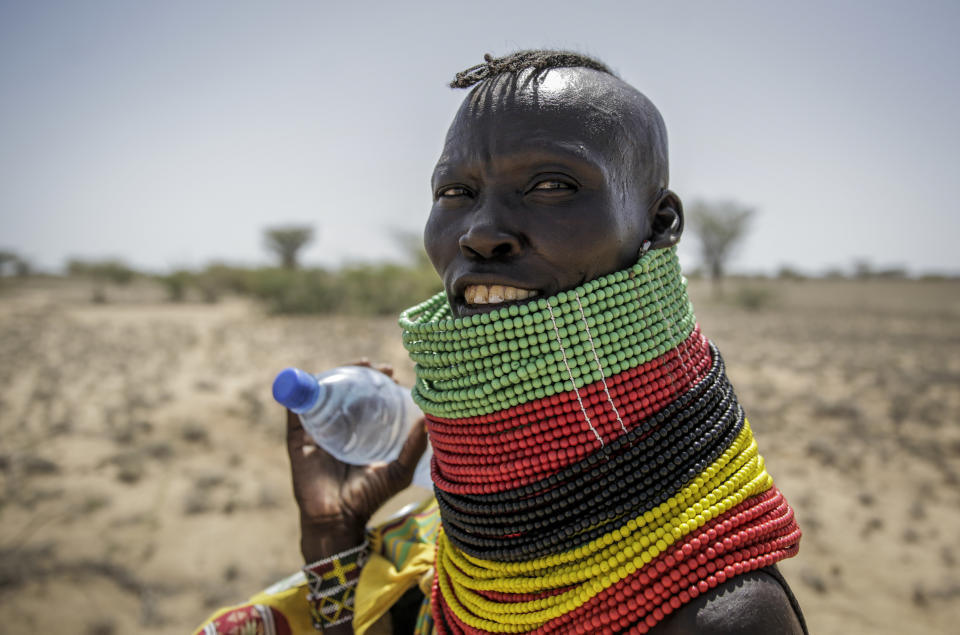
533	193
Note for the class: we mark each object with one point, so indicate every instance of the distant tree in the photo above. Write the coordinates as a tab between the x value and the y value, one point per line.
287	241
8	258
862	268
789	272
719	227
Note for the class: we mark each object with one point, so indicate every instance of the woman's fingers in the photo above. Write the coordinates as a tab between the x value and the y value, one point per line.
293	422
415	445
399	472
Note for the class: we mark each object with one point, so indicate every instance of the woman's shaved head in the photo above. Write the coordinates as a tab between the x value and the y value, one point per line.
550	176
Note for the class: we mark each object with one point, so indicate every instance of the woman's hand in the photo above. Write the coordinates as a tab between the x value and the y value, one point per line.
336	499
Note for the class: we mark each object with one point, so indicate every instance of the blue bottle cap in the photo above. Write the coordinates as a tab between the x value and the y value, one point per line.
296	389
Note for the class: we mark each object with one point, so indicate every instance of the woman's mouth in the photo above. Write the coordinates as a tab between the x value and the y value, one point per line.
495	294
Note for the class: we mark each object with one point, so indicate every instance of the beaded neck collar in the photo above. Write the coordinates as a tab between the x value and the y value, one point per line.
589	454
483	363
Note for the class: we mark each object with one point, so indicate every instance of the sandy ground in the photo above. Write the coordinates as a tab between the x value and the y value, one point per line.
143	476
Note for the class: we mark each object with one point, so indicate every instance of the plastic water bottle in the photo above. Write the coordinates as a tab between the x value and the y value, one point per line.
357	414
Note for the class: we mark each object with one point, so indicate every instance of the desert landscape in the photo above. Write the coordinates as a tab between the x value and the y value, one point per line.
143	474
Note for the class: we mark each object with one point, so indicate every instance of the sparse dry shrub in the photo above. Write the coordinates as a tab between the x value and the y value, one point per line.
205	385
296	291
947	557
813	580
789	272
359	289
846	409
932	414
872	525
209	481
227	279
231	572
253	405
899	408
33	465
103	626
159	450
130	468
823	451
92	503
932	451
753	298
19	564
918	510
194	432
919	596
130	431
197	501
176	284
113	271
384	289
216	597
267	497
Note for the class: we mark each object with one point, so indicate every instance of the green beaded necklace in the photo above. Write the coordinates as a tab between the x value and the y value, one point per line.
480	364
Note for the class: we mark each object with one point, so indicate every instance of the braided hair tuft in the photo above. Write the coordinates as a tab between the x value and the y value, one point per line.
537	60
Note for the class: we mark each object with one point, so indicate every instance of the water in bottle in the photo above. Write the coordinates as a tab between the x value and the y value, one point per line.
357	414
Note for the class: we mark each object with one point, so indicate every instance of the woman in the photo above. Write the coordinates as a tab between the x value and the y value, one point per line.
593	469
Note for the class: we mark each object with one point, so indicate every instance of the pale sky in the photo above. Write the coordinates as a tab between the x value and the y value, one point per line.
171	133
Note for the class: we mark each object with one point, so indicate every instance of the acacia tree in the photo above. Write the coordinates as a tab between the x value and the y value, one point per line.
286	242
720	226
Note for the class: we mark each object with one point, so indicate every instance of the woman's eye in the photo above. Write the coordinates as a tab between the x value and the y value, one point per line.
553	185
451	192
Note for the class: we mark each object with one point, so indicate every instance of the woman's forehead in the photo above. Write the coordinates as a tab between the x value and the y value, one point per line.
566	126
612	122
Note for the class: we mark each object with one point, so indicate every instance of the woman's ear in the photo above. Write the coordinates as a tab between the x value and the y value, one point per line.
666	222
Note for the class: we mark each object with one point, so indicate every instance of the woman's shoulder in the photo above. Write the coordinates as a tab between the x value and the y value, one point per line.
757	602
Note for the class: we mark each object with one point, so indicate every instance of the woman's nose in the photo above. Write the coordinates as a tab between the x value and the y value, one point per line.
486	240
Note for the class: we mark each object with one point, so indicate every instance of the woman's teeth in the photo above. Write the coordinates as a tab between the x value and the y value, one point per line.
495	294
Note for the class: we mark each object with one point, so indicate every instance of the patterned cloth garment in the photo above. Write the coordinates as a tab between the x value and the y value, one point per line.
401	556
